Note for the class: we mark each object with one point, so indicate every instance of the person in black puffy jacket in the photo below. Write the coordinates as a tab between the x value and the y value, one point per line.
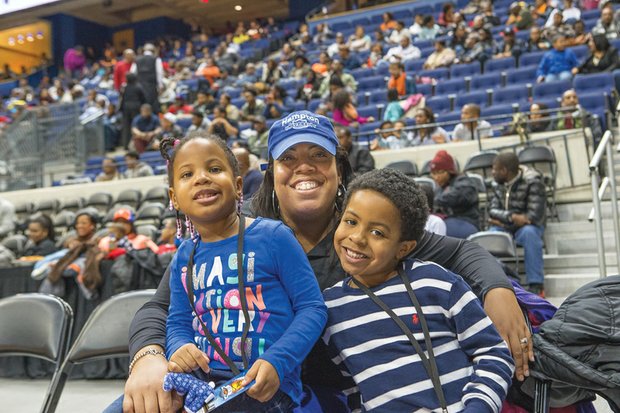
518	206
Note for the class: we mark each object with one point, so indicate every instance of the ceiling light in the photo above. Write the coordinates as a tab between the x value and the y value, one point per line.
238	7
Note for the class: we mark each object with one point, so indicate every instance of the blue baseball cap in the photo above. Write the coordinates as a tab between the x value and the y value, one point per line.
301	127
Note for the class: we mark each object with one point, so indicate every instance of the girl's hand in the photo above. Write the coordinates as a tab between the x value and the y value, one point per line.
187	359
267	381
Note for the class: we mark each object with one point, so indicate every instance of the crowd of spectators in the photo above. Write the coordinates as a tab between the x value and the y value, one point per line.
174	86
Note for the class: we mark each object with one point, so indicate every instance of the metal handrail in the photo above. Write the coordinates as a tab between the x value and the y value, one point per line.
598	190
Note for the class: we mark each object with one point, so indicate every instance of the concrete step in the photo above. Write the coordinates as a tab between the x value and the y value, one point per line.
580	211
562	285
578	263
581	243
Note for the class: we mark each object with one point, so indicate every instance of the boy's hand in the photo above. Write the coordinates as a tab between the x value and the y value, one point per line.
187	359
266	379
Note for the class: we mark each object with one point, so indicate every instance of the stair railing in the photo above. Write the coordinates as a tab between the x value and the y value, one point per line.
598	191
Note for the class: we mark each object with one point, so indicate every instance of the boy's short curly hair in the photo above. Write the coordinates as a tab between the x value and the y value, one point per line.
403	192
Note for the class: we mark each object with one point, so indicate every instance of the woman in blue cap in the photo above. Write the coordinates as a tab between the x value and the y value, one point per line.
304	186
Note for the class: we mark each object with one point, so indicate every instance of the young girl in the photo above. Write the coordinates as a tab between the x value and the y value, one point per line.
409	333
272	325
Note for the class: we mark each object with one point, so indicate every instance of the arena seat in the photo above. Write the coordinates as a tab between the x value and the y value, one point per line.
129	197
157	194
406	167
451	86
595	102
548	89
521	75
150	213
414	65
63	221
100	200
500	109
531	59
465	69
36	325
368	110
510	94
481	161
15	243
439	104
370	83
597	82
499	65
425	88
47	206
441	73
71	204
480	98
105	335
486	81
580	51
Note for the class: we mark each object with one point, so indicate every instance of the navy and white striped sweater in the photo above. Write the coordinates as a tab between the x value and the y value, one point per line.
474	363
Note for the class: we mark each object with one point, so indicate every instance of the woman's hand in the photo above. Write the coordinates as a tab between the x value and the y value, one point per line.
266	382
144	392
187	359
502	308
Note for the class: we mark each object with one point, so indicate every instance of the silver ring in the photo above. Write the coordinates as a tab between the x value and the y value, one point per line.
524	341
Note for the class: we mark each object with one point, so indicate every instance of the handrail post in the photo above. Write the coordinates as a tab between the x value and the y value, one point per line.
598	223
614	199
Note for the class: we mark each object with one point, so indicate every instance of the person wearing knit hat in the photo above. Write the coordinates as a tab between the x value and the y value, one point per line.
456	197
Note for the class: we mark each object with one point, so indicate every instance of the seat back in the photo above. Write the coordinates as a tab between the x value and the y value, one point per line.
542	158
105	335
498	244
406	167
157	194
36	325
130	197
425	181
482	161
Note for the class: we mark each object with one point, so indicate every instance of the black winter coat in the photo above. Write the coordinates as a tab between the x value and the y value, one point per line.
459	199
527	195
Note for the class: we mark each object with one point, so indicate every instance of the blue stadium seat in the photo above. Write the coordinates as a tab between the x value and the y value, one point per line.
595	102
478	97
441	73
550	89
361	21
369	110
425	88
439	104
423	44
414	65
500	65
314	104
531	59
423	9
510	94
507	109
378	96
372	82
403	14
427	51
581	52
601	82
523	35
446	87
615	43
340	26
590	14
486	81
233	92
362	72
382	69
521	76
238	102
453	117
465	69
376	19
184	123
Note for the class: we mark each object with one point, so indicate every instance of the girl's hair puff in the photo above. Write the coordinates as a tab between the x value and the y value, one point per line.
170	146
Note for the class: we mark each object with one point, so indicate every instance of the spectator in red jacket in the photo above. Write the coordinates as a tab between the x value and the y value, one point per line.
122	68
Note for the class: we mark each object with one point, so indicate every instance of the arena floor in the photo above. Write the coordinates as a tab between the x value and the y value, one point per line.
86	396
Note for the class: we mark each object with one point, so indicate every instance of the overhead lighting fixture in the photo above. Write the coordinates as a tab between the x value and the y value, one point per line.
39	35
238	7
30	37
11	41
20	38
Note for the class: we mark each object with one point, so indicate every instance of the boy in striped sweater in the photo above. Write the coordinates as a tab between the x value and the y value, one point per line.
411	334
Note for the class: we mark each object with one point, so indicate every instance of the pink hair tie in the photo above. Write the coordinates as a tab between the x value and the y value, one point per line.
176	142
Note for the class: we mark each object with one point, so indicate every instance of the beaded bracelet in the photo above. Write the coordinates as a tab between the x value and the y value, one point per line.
149	352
